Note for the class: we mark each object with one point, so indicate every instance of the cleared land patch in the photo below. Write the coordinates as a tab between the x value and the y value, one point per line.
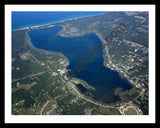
130	111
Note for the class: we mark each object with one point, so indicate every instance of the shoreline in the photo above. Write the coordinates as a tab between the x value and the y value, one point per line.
54	22
80	81
80	34
107	105
29	42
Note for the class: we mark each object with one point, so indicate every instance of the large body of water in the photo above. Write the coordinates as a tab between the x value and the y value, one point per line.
21	19
104	80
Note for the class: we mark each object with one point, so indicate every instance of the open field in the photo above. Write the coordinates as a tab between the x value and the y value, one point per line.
130	111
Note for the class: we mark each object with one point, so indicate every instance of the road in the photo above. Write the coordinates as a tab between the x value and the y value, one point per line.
89	100
32	75
44	106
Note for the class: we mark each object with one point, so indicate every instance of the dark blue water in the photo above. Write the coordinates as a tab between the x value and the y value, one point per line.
81	88
22	19
103	79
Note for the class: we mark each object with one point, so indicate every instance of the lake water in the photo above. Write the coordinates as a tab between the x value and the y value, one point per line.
104	80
